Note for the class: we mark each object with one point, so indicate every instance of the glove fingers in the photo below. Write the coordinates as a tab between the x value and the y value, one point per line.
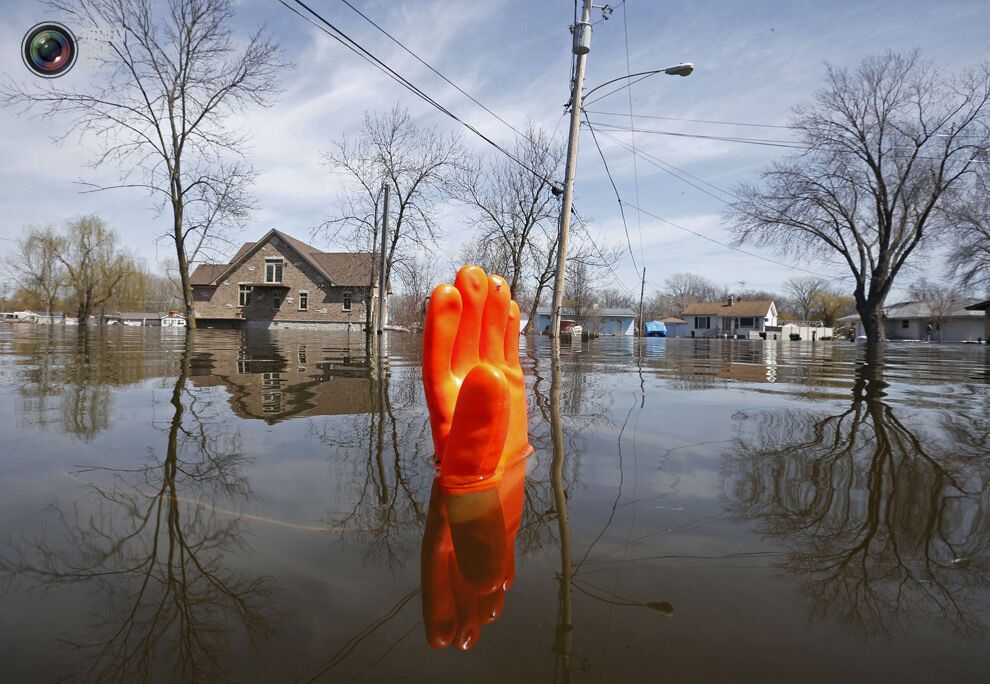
439	331
472	283
478	430
494	321
477	531
439	605
511	349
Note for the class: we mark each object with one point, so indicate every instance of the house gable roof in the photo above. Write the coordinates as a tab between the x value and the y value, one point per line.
747	308
610	313
339	268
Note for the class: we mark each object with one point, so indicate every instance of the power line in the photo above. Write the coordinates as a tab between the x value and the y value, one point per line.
632	135
706	121
767	142
431	67
737	249
622	212
662	165
725	138
605	261
355	47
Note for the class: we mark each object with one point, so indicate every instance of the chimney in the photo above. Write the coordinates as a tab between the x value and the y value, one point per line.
731	300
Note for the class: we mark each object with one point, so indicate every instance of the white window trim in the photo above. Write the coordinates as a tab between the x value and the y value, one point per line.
300	300
347	302
241	288
274	260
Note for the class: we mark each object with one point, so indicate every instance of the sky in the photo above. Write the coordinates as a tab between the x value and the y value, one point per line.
754	61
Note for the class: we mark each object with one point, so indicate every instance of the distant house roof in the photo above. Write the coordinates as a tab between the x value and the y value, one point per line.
607	313
968	308
916	309
672	319
340	268
136	315
751	307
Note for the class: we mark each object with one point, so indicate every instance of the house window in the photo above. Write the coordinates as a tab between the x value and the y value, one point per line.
304	301
273	270
747	323
271	379
905	324
276	301
346	306
244	295
702	322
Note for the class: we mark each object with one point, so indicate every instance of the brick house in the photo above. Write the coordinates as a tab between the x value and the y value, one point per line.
281	281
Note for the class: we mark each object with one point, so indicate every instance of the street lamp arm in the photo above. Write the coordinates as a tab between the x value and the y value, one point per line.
676	70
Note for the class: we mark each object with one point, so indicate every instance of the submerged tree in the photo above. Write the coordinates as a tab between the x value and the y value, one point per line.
415	163
883	521
890	149
95	266
510	203
151	543
36	267
163	110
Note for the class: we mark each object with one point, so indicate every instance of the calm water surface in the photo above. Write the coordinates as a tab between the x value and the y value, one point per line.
259	507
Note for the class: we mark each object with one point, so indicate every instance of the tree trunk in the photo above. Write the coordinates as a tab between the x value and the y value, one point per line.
871	314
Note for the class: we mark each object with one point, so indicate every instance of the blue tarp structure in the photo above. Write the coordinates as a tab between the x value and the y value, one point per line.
655	329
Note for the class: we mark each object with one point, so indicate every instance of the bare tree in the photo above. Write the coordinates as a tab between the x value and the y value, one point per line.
940	300
414	162
163	112
890	148
684	288
614	298
969	258
418	277
94	265
805	294
510	203
35	265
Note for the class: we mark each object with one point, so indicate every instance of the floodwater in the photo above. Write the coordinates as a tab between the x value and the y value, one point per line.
259	507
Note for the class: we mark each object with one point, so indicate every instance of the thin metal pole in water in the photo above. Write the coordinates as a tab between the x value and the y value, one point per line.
581	46
642	288
382	284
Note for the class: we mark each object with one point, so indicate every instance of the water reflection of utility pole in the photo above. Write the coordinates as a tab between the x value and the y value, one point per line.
564	631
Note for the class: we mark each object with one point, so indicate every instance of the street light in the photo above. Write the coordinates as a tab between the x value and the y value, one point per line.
581	48
683	69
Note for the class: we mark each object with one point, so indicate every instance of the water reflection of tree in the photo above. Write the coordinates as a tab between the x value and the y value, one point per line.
886	519
70	378
388	449
152	546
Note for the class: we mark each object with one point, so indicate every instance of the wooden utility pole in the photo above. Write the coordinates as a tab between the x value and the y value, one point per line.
382	284
581	46
642	288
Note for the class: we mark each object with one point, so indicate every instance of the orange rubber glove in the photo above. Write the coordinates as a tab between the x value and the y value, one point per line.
468	558
475	391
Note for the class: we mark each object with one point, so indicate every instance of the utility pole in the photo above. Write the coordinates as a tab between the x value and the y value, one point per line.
642	288
581	46
382	284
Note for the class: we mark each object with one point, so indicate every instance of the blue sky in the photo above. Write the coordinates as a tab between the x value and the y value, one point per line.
754	61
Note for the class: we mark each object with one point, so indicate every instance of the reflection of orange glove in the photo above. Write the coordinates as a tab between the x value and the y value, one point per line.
468	558
474	385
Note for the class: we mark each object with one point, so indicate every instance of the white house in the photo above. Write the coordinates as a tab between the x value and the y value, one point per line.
985	308
911	320
731	318
594	321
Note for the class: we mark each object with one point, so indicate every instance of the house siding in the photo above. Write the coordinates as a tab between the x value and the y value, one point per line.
325	300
